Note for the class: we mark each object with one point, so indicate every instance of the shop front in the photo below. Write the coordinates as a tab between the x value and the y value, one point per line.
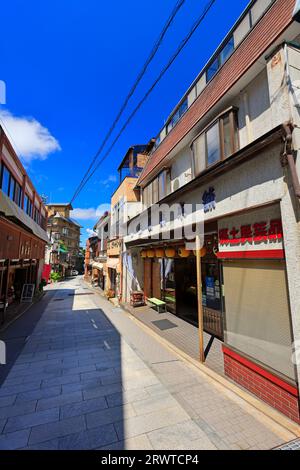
258	340
170	275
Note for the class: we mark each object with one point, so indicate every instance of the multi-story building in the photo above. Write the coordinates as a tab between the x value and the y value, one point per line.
64	233
125	204
23	221
102	228
232	144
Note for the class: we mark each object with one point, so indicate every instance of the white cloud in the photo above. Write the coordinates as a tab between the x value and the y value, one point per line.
90	213
91	233
31	140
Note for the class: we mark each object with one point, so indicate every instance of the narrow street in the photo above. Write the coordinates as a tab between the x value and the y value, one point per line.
88	377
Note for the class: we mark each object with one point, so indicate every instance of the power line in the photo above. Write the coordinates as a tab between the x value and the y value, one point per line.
141	102
153	52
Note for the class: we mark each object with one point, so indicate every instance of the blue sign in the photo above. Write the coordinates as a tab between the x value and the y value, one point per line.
209	200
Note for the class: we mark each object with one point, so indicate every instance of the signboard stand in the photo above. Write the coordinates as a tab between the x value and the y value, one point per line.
27	293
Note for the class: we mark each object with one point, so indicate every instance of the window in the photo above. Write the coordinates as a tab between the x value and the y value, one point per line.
227	51
219	141
18	194
12	187
213	151
5	180
177	115
162	185
219	61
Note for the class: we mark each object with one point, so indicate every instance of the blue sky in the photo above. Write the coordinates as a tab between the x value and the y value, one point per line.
68	64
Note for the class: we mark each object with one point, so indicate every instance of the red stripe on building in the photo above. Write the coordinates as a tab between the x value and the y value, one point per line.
259	254
259	370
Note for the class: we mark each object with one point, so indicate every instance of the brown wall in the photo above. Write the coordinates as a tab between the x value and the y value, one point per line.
16	243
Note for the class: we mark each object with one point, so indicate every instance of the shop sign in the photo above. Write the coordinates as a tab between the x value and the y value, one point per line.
251	233
254	234
209	200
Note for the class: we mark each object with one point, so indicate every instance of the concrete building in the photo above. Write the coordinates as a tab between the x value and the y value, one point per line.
64	232
23	220
232	145
125	204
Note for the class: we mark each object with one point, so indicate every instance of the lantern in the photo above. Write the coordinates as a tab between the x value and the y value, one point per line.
150	254
203	252
160	253
183	253
170	253
144	254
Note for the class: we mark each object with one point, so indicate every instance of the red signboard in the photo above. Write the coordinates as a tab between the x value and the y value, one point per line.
257	232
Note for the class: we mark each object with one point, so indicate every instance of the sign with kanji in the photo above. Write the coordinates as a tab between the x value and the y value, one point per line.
254	231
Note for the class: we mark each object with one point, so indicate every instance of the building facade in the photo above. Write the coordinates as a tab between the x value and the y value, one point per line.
23	221
125	204
64	232
231	146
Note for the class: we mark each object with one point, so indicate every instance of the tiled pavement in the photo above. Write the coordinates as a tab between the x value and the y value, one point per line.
86	379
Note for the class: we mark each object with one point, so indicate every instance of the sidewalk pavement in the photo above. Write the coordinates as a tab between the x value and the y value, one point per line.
88	377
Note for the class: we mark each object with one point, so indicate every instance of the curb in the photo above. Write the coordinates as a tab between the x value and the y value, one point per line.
4	328
261	408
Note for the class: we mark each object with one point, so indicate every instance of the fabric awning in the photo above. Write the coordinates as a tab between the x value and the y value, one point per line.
97	266
112	263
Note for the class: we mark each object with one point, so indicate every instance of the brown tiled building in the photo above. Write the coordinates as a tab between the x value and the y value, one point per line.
23	220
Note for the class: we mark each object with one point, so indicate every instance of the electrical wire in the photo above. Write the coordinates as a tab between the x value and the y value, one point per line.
150	58
141	102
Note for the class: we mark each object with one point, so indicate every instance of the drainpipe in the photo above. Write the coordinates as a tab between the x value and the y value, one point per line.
289	156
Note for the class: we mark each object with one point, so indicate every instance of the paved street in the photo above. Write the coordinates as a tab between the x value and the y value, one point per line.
88	377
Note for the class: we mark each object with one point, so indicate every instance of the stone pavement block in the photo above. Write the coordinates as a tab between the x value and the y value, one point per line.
48	445
18	409
90	439
79	369
132	383
2	423
14	440
32	419
136	443
82	408
8	400
179	436
144	424
154	403
59	400
97	374
108	416
49	431
62	380
13	389
100	391
38	394
111	379
127	396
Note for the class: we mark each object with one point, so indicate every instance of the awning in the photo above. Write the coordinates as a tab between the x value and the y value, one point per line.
97	266
112	263
11	210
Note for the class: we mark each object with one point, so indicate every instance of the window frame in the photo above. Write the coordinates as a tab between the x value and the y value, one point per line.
232	112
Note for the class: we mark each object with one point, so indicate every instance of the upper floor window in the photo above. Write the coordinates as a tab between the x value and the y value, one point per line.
158	189
219	61
217	142
177	115
5	180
